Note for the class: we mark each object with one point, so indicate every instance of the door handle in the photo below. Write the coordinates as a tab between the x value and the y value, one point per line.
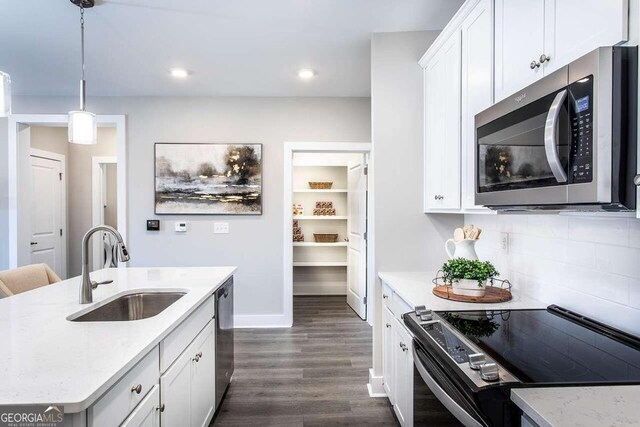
33	243
550	133
544	58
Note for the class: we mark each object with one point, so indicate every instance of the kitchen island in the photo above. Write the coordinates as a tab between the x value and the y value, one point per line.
45	358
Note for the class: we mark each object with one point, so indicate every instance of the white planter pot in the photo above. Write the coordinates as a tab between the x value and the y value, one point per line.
468	287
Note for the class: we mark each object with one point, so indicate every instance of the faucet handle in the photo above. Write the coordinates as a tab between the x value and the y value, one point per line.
95	284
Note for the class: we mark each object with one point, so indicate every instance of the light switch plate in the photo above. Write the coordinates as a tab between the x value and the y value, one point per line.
181	227
221	227
505	242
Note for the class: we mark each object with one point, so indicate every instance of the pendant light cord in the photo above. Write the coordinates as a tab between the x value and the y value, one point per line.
82	81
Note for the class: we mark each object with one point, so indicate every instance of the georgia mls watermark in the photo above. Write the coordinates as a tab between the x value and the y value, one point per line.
31	416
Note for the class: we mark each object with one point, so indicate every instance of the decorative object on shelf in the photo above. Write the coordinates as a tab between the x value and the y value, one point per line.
496	290
320	185
298	209
208	179
298	237
5	94
324	205
324	212
297	232
325	238
468	277
463	242
83	125
295	223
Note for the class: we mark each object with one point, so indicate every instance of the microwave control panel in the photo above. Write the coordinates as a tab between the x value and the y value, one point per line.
580	113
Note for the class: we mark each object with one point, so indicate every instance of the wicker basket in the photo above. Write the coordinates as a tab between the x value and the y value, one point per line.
325	238
320	185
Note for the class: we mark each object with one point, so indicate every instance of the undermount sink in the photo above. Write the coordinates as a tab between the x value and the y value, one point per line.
134	306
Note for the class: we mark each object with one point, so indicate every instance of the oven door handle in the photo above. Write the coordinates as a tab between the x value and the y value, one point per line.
550	137
458	411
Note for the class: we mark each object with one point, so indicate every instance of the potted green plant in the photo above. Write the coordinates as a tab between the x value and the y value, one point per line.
468	277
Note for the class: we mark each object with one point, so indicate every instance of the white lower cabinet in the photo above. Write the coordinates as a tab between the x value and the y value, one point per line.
398	364
147	413
188	386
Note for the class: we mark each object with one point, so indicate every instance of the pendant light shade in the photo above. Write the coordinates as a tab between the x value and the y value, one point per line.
5	94
83	128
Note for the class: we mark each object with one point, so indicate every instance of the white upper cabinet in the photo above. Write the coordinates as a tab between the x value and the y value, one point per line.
477	88
576	27
536	37
442	127
519	42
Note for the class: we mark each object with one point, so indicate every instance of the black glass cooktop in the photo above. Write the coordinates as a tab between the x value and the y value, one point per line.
551	346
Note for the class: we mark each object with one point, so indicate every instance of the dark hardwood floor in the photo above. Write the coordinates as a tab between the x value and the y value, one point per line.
314	374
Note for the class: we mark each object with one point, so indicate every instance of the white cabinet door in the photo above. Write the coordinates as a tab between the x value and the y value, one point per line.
388	354
519	33
477	88
147	413
403	372
576	27
442	128
175	386
202	386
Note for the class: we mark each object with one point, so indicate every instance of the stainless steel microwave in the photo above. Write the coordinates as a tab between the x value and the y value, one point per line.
566	142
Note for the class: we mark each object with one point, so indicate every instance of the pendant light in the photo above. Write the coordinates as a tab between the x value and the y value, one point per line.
5	94
83	126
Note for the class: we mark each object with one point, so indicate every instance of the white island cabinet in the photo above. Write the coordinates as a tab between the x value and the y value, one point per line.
149	372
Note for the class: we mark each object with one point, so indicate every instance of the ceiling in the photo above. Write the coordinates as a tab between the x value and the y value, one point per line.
231	47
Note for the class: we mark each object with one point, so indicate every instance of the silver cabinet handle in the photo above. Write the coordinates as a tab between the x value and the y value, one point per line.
197	357
550	132
388	325
534	64
385	296
33	243
544	58
137	389
160	408
403	346
636	180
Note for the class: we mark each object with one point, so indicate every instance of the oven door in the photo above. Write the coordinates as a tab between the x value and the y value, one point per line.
431	378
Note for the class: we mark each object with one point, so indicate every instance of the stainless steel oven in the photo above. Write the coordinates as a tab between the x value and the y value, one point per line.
567	141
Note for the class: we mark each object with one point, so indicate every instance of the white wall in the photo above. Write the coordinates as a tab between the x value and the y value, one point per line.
255	242
585	263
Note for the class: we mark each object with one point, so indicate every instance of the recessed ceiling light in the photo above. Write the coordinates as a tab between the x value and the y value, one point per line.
306	73
179	73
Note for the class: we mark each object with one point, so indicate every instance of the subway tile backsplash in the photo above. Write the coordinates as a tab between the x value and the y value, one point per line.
590	264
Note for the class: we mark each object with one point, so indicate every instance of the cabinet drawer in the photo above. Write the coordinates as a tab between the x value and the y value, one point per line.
386	295
122	398
147	414
399	306
179	339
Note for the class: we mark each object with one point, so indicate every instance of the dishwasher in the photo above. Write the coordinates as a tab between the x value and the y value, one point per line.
224	338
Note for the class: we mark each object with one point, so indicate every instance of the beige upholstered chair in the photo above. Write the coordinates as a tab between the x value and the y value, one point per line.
25	278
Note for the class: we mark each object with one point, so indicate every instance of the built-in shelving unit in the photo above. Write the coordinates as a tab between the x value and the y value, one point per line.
320	268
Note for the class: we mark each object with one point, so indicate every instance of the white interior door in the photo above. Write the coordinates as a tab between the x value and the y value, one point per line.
46	214
356	232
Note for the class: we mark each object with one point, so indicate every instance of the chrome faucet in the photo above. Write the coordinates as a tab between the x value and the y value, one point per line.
86	289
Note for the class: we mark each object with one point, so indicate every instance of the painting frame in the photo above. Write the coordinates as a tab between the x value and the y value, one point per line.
255	208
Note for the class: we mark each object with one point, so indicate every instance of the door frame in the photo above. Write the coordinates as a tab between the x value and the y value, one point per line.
97	210
323	147
16	120
64	218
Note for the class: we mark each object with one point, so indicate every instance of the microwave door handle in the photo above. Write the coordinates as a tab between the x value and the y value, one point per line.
550	137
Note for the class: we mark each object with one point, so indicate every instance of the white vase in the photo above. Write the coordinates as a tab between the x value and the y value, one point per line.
463	249
468	287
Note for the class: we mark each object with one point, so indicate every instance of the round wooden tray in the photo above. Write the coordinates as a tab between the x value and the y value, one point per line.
491	295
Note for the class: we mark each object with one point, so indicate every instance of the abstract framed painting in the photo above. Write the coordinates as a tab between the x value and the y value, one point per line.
208	179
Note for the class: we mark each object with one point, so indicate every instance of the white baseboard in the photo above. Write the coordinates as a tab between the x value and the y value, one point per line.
376	385
260	321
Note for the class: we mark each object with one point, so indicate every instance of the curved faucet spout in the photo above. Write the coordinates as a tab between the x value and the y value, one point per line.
86	294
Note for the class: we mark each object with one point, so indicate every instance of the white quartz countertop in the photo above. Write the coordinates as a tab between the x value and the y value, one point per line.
47	359
415	288
580	406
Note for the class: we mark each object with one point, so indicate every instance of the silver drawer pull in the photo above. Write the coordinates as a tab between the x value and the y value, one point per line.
403	346
534	65
160	408
388	325
385	296
137	389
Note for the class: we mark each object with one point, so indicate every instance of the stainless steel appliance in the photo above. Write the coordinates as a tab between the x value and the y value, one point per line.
224	338
567	141
470	360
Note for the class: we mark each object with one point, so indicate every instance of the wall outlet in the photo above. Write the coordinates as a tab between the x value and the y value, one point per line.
181	227
504	243
221	227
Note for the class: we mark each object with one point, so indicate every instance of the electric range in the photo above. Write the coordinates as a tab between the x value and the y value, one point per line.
470	360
